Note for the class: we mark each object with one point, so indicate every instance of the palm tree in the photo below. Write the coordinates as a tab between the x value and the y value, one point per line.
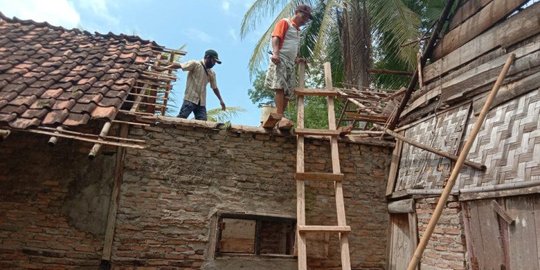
339	32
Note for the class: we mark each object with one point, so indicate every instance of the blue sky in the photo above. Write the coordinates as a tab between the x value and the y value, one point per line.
200	25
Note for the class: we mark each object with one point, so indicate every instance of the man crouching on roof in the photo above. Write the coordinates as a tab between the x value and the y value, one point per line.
200	73
285	42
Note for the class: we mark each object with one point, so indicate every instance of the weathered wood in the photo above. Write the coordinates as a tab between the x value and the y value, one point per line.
316	92
401	207
413	233
317	228
394	167
336	168
515	29
453	157
478	23
300	185
466	11
115	197
457	168
486	73
427	53
390	72
319	176
321	132
499	193
365	117
501	212
272	120
523	250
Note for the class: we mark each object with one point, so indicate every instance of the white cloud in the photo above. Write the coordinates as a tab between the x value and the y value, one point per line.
55	12
226	5
199	35
233	34
100	8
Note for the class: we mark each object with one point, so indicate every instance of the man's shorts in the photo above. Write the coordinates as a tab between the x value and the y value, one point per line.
281	76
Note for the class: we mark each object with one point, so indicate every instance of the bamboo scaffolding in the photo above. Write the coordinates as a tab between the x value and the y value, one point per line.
36	131
130	123
70	132
134	113
54	139
144	103
457	167
132	94
95	149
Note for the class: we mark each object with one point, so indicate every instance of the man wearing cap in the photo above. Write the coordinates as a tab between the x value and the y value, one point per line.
281	73
200	73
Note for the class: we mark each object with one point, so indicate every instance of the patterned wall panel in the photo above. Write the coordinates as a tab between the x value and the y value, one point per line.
420	169
508	144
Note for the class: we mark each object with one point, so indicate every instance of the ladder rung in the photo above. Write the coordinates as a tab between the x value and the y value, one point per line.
319	228
315	92
323	132
320	176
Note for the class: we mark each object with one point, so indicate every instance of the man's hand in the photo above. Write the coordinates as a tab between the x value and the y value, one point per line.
275	58
299	60
223	107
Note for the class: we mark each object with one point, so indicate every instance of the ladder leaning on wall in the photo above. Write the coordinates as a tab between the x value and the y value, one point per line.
336	176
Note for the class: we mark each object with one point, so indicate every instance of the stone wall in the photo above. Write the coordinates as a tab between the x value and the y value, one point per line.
173	190
53	204
446	248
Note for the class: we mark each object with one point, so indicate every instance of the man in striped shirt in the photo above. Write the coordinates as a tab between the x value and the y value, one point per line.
200	73
285	42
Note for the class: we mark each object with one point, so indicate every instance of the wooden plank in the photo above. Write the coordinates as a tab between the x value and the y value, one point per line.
516	28
394	167
320	176
321	132
413	235
366	117
498	194
319	228
523	251
272	120
400	242
336	168
316	92
492	253
300	187
478	23
501	212
466	11
401	207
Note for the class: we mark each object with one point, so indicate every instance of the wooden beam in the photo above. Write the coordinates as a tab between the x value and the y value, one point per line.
466	11
517	28
394	167
317	228
319	176
401	207
441	153
366	117
272	120
300	248
501	212
457	168
472	27
320	132
316	92
390	72
427	52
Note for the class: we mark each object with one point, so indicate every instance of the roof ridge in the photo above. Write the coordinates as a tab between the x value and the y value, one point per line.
129	38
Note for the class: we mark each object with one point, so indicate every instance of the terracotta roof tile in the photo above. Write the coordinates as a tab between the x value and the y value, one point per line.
53	76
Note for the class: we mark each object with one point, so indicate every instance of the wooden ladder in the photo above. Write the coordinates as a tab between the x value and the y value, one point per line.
336	176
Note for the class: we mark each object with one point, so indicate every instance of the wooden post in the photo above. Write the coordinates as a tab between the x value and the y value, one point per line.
300	185
115	197
457	167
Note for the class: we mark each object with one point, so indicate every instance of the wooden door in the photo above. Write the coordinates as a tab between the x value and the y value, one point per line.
403	240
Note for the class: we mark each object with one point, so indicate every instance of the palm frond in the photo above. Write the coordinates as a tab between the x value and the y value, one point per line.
220	116
258	10
327	23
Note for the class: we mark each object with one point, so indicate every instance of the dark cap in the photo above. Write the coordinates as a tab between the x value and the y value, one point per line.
304	9
213	54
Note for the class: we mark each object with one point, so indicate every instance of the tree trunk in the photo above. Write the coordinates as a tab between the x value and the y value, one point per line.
356	40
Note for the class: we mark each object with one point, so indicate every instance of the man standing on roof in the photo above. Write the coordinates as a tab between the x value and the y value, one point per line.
281	73
200	73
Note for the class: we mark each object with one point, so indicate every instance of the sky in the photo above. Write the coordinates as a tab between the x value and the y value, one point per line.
199	25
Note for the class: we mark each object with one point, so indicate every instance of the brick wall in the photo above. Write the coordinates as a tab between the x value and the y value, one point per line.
446	248
172	191
53	204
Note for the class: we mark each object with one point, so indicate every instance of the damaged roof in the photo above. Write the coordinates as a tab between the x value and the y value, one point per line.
51	76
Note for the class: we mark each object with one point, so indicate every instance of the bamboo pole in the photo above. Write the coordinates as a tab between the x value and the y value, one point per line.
472	164
54	139
455	171
97	146
84	139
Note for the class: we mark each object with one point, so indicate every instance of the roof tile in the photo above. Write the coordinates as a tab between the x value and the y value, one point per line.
52	93
23	100
13	109
63	104
7	117
87	98
104	112
55	117
35	113
23	123
76	119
